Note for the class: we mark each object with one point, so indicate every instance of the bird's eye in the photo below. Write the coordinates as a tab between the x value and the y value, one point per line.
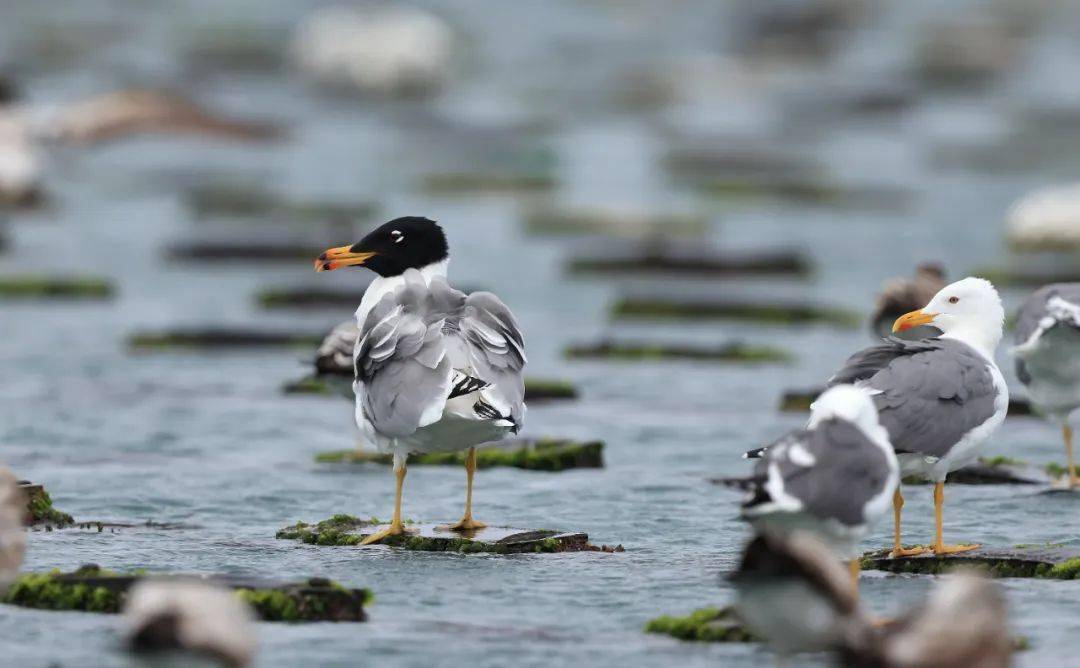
953	300
397	236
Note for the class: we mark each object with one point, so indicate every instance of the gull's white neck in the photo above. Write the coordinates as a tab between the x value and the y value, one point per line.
984	340
384	284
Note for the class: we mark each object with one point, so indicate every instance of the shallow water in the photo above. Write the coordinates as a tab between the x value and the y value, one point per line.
209	442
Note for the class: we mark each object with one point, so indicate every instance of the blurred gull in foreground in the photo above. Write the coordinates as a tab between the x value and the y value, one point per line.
1047	355
791	591
436	370
190	616
24	129
901	295
835	477
12	532
938	398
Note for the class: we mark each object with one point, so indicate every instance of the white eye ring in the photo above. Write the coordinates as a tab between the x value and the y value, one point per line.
397	236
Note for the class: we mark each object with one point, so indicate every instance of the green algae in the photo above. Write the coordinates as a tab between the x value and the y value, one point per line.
546	454
646	352
771	314
704	625
536	389
54	287
210	339
104	591
996	566
40	510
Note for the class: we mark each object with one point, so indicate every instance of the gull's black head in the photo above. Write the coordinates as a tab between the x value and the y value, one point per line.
392	248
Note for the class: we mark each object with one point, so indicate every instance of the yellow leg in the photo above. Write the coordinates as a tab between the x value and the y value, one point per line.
1066	432
397	527
853	567
939	545
467	522
898	547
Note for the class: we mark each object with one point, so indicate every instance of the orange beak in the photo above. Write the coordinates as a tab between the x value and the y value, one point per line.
913	319
342	256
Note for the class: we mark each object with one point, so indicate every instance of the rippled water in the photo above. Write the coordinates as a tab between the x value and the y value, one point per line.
209	442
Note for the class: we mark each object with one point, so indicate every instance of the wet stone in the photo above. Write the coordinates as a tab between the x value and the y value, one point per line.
701	309
631	351
646	261
56	287
544	454
40	513
93	589
536	389
220	339
348	531
1051	561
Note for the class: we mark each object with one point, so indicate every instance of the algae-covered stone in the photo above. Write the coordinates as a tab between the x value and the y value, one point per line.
764	313
248	201
496	182
544	454
693	263
615	222
536	389
1023	561
39	508
643	352
704	625
348	531
56	287
243	251
93	589
220	338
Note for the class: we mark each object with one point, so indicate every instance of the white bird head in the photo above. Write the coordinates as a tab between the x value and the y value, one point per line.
848	403
968	310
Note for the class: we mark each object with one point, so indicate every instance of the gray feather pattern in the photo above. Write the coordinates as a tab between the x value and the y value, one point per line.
1032	312
403	363
932	392
848	471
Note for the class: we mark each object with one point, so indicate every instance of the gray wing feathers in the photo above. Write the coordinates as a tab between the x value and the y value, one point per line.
848	471
1049	307
335	353
864	364
402	370
929	400
496	351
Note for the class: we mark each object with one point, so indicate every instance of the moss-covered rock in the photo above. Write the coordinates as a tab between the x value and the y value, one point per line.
771	314
704	625
544	454
93	589
536	389
627	351
39	508
56	287
220	338
243	251
1023	561
1019	277
348	531
309	298
784	263
495	182
614	222
247	201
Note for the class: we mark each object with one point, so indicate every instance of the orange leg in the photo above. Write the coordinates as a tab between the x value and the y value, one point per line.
467	522
1066	432
397	527
898	547
939	545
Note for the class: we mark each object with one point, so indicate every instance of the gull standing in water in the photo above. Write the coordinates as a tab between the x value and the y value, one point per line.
1048	356
435	370
939	398
835	477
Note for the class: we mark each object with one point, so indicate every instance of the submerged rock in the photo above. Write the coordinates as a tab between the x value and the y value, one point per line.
242	250
615	222
56	287
704	625
751	311
219	338
647	260
494	182
346	530
247	201
735	352
93	589
1057	562
332	384
545	454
